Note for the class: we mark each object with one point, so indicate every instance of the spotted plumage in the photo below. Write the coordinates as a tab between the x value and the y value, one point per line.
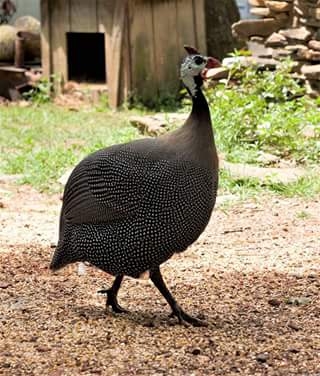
128	208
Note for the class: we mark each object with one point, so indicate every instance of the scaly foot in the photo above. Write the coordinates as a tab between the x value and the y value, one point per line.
184	318
112	301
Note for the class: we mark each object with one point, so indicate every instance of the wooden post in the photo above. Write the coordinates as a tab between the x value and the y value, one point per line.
105	10
120	10
60	22
144	82
19	51
46	38
200	25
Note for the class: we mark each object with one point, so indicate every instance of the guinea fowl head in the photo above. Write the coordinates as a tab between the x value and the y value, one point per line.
194	68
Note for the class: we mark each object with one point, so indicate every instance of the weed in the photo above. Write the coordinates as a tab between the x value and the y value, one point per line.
265	113
41	93
302	214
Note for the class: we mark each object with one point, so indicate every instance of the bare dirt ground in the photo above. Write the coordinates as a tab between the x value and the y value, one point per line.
253	275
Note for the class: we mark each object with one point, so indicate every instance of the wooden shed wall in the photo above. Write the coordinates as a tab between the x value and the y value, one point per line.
143	41
62	16
158	31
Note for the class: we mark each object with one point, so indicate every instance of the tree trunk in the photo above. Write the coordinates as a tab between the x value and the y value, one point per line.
220	15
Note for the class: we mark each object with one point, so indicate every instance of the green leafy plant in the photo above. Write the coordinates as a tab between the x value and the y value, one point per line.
41	92
265	111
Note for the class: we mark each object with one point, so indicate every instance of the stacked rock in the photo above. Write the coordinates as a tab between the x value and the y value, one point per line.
286	28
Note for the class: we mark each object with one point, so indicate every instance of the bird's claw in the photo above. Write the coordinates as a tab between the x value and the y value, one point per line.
184	318
112	301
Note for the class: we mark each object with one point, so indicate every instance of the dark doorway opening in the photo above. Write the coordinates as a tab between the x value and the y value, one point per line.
86	57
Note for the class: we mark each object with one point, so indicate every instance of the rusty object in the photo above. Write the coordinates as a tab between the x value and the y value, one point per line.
20	45
19	52
11	79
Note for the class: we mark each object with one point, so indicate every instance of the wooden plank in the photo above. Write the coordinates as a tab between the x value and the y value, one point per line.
166	47
46	38
186	26
144	84
116	50
125	74
83	16
59	28
200	25
105	10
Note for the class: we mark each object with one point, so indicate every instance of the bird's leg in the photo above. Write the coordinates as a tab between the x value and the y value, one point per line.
112	293
177	311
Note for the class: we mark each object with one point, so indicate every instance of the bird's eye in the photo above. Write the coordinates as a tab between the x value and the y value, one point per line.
198	60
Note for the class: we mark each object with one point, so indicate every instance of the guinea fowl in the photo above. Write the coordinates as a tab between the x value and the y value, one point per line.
128	208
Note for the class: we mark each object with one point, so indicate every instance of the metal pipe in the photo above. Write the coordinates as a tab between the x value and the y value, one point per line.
19	51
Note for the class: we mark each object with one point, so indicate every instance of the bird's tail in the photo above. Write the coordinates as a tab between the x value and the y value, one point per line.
67	250
60	257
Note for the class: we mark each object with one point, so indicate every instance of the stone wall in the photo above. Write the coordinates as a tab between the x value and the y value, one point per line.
286	28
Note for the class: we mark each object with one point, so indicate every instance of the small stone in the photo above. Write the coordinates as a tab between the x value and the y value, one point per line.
294	350
196	351
296	47
4	285
280	53
314	45
262	357
276	40
259	49
296	34
307	54
149	324
311	71
274	302
309	132
267	63
260	12
267	158
257	3
217	73
81	269
57	373
264	27
43	349
149	125
2	205
298	301
257	39
278	6
294	326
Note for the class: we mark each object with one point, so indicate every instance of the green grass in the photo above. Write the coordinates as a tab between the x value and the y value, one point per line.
254	117
41	142
305	186
303	215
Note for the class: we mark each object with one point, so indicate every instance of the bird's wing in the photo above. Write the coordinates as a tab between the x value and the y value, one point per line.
105	187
